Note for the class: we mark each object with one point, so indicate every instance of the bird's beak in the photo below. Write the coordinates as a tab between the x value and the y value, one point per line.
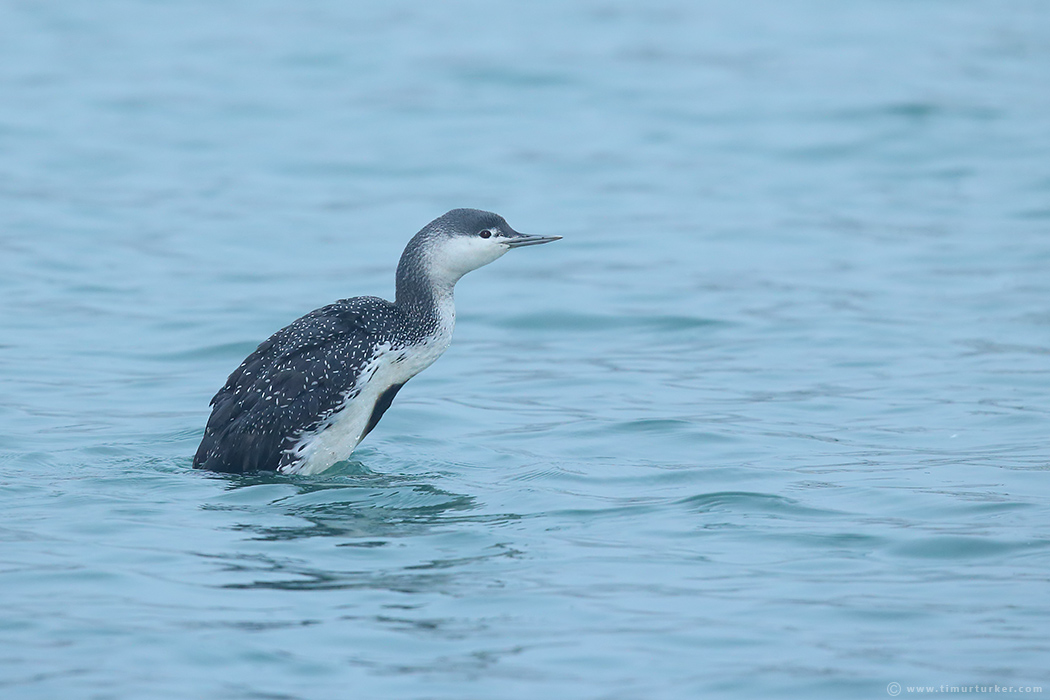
520	240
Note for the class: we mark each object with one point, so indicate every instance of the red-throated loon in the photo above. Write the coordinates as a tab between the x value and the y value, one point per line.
311	392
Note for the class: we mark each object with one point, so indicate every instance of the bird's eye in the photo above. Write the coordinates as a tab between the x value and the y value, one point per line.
485	234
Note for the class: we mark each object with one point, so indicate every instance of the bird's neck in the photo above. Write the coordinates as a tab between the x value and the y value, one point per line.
428	303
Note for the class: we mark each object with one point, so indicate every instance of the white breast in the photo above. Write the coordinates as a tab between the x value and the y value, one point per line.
336	439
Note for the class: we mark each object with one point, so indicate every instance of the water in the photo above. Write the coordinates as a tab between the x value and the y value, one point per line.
770	421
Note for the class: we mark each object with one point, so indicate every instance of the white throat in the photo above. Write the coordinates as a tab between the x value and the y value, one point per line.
454	257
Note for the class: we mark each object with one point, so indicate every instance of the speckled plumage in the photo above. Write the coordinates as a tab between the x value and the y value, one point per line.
312	391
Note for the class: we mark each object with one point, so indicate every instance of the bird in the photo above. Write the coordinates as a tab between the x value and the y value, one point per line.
310	393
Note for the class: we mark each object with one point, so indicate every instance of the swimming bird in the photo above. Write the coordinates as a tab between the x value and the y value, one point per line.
313	390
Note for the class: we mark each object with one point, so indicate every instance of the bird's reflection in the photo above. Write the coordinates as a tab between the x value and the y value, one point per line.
357	510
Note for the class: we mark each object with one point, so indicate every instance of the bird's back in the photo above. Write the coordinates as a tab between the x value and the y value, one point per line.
293	383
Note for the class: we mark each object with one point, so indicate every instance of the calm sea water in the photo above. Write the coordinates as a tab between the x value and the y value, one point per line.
772	420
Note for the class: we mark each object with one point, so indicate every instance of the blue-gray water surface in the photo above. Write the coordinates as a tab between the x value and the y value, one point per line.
771	421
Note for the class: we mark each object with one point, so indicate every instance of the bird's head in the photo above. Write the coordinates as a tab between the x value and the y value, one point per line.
466	239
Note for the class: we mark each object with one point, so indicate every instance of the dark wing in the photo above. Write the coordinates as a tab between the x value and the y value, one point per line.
291	383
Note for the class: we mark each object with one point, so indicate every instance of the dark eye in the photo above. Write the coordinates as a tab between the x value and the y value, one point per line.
485	234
